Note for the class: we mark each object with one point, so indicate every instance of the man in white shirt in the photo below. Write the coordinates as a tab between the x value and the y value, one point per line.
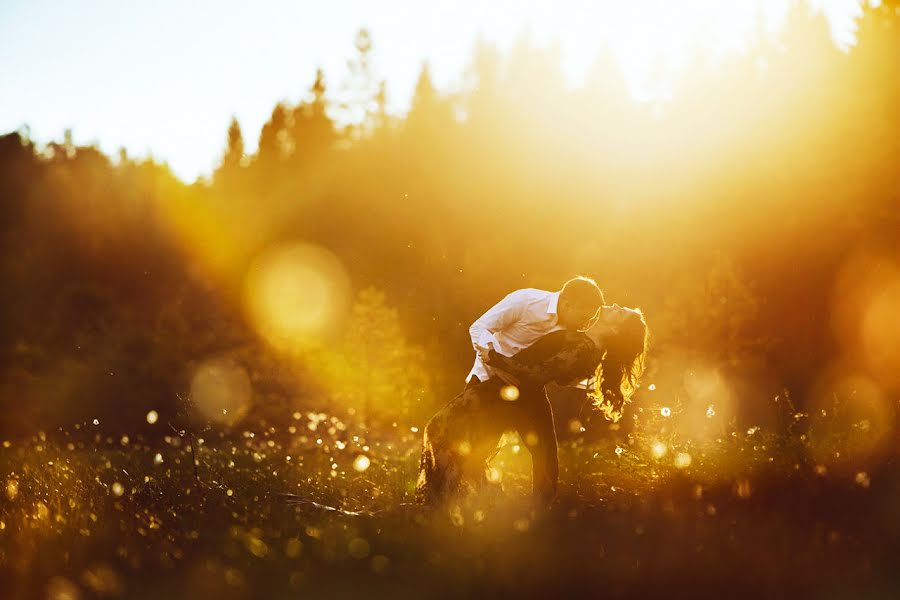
464	432
525	315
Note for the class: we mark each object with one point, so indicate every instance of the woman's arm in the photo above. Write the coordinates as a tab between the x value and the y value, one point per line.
533	373
554	357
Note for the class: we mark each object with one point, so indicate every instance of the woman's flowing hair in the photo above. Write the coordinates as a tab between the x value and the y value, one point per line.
617	376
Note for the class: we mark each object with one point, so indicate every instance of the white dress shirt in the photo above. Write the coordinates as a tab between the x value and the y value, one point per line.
512	324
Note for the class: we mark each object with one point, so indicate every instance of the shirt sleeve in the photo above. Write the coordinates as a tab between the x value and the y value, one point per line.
500	316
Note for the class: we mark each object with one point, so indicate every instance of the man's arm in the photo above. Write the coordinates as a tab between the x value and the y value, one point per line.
497	318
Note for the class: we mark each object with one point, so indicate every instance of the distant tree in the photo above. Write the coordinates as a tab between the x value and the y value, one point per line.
311	130
806	36
273	140
429	114
68	144
235	152
483	85
875	72
533	77
713	314
384	374
359	107
233	158
873	82
425	96
603	108
536	108
381	119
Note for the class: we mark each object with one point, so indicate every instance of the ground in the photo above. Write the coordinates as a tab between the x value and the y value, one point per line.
87	514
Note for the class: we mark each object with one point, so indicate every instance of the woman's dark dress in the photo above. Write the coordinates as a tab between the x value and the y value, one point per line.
463	435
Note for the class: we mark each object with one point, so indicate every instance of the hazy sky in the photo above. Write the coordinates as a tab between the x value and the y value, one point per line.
165	76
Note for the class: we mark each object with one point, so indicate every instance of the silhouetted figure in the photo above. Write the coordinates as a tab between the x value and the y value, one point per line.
462	436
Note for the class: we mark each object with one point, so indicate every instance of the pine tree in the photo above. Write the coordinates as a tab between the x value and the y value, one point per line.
234	151
384	373
360	105
429	114
873	80
425	96
483	100
273	140
312	130
382	118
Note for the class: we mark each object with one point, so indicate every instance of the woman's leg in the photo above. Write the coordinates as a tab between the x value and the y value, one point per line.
456	442
439	469
537	430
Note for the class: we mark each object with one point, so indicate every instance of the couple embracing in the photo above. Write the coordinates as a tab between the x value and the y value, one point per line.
528	339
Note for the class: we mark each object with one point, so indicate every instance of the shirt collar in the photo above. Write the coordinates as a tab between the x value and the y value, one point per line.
554	302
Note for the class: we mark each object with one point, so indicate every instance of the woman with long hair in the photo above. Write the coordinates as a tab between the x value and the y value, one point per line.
463	435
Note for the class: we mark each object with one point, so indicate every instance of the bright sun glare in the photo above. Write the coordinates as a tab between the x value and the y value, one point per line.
652	40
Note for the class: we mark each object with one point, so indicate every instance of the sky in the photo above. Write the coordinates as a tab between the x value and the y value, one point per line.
164	77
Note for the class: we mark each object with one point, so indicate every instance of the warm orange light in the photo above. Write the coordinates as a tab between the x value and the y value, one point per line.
221	391
295	294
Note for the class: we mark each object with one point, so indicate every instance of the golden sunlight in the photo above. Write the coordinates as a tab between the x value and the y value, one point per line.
653	53
221	391
296	293
260	383
510	393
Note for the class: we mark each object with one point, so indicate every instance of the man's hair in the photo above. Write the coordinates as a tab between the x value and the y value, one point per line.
583	291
